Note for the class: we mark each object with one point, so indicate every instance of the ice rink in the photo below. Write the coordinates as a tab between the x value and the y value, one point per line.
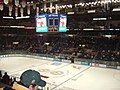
64	76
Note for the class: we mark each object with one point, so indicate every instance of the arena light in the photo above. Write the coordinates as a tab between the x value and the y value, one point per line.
47	43
23	17
70	13
90	3
17	26
99	2
40	35
15	43
117	29
108	36
105	1
80	45
70	6
76	29
114	1
82	4
87	29
6	1
116	9
7	17
63	6
87	4
83	45
68	29
95	19
91	11
13	26
4	26
111	29
70	35
29	28
94	3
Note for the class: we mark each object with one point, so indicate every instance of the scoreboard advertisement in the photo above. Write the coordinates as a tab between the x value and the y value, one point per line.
41	24
62	24
51	23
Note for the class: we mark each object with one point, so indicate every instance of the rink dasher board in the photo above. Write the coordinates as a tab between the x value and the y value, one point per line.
28	56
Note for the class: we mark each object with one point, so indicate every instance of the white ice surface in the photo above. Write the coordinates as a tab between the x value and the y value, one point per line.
72	76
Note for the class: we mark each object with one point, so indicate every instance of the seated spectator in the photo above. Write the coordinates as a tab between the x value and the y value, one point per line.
6	78
0	76
14	80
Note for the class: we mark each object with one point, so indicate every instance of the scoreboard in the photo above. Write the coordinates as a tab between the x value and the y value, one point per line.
51	23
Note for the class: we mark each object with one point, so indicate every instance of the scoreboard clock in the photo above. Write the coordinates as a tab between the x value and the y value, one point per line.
51	23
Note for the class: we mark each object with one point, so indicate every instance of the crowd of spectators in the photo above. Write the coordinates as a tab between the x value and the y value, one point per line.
100	48
6	79
9	83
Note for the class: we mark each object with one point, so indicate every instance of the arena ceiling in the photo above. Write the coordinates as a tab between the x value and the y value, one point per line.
81	13
30	7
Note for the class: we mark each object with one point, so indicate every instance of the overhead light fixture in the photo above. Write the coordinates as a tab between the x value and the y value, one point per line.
40	35
17	26
91	11
29	28
117	29
116	9
4	26
111	29
95	19
76	29
87	29
70	13
47	43
70	35
70	6
7	17
108	36
23	17
15	43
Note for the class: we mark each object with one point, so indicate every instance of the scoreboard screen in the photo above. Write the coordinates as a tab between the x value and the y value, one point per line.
51	23
62	24
41	24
